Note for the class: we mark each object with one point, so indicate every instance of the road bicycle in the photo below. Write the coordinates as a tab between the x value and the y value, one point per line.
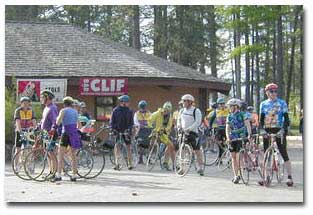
250	159
28	139
157	151
185	155
121	156
273	162
143	144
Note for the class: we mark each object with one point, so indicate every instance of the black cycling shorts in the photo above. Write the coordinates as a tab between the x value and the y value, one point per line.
235	146
18	142
220	134
65	140
192	140
282	147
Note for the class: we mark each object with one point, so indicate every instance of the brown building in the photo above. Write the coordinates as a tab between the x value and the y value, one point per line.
96	70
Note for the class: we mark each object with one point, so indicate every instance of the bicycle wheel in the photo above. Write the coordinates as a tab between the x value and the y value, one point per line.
84	163
279	170
153	156
183	160
224	161
268	166
18	161
98	162
245	166
43	163
211	153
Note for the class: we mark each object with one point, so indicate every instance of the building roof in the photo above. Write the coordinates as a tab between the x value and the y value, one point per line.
62	50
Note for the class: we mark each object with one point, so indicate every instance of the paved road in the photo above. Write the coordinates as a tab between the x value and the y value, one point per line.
158	186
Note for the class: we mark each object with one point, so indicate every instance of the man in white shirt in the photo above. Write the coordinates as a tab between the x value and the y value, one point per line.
189	119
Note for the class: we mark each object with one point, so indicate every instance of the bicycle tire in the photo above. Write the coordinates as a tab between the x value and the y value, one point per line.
245	166
211	153
85	163
224	161
152	157
183	159
18	166
39	155
280	169
268	166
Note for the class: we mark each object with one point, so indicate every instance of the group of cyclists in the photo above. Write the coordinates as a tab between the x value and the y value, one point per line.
229	120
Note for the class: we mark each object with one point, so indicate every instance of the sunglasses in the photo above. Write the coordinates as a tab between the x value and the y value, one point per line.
272	91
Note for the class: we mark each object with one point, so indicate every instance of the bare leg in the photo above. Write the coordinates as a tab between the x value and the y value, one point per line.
74	160
199	158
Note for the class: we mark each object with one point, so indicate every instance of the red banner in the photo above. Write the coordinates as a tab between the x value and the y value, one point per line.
103	86
30	89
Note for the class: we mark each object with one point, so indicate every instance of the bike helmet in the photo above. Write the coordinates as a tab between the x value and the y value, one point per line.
220	101
271	86
142	104
83	104
76	102
250	108
188	97
167	106
234	101
124	98
47	93
25	99
214	105
68	100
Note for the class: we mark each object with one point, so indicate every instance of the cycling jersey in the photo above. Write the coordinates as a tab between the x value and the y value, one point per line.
49	116
236	122
220	116
186	119
160	122
141	118
212	121
25	116
273	112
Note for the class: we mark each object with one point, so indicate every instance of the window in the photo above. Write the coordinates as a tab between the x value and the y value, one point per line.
104	107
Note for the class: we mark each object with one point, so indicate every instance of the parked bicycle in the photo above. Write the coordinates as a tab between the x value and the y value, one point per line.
250	160
273	161
185	156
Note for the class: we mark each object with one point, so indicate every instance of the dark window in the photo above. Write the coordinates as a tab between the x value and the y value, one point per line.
104	107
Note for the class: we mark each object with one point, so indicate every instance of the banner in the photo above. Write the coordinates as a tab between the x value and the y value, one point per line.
32	88
103	86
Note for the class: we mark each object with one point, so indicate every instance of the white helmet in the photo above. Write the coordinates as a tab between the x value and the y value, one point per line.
234	101
188	97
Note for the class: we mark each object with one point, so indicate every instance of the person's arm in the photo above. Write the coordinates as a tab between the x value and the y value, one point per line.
113	120
52	117
248	126
34	123
178	120
152	119
212	118
197	121
169	125
60	117
227	131
18	125
136	121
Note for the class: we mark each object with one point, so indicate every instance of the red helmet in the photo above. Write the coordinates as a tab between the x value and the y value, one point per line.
271	86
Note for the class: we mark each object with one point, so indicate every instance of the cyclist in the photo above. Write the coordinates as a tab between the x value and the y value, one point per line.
122	121
141	122
254	119
24	119
162	121
76	105
49	115
70	137
237	126
274	119
219	117
212	111
84	111
189	119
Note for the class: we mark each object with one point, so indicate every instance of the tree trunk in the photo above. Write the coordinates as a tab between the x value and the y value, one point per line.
213	43
301	62
292	55
280	57
247	59
237	58
257	71
136	28
252	70
274	62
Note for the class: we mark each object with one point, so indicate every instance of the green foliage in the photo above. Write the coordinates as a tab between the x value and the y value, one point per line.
10	105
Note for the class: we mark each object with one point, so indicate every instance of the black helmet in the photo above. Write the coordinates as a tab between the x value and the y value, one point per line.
214	105
47	93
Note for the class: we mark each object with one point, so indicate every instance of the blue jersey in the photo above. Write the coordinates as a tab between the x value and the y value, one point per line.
274	112
236	122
